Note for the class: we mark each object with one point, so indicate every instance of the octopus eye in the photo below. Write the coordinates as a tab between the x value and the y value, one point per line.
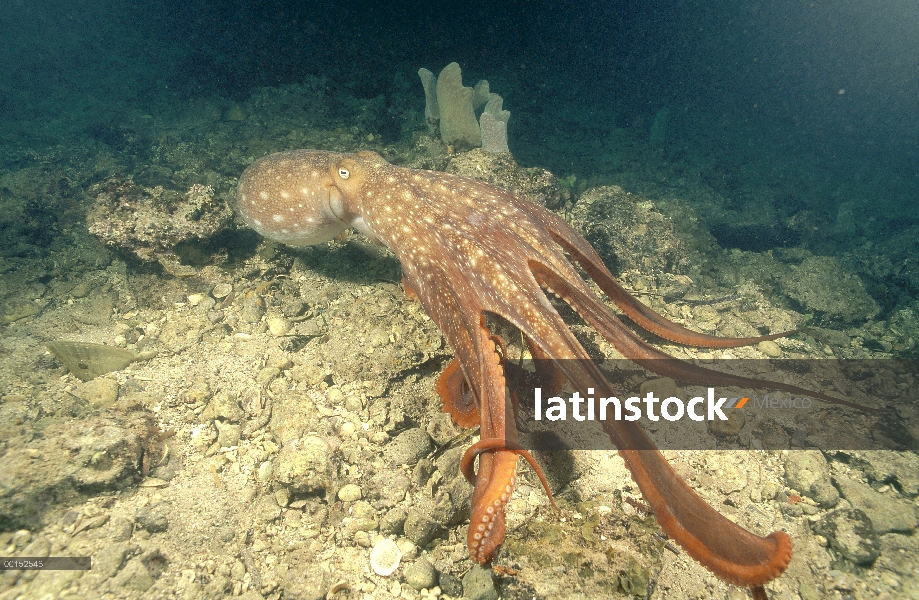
344	173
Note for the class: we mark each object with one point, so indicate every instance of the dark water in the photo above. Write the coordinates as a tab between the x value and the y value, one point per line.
790	112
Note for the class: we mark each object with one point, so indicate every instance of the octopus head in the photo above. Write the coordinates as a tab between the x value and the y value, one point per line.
301	197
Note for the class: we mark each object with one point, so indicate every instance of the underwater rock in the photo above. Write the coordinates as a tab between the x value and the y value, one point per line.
421	574
850	533
305	465
408	447
821	286
807	472
887	512
151	222
68	462
87	361
536	185
478	584
630	233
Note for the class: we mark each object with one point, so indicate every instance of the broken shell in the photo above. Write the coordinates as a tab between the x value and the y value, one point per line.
87	361
385	557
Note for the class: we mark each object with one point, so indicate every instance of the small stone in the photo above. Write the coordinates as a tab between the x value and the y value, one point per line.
267	375
350	493
478	584
393	521
408	447
222	290
199	391
385	557
154	522
662	388
252	310
409	550
108	559
279	326
850	533
353	403
807	471
420	529
282	497
362	538
451	585
195	299
228	434
134	576
264	471
100	392
224	407
421	574
769	348
304	465
442	429
81	290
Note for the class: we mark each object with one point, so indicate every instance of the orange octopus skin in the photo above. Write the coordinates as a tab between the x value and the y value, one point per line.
469	248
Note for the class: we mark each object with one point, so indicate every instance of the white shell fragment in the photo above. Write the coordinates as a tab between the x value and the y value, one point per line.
385	557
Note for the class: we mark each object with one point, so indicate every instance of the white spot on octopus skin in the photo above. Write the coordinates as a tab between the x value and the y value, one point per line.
278	218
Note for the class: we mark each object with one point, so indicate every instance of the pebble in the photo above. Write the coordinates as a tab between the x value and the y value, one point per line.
100	392
350	493
385	557
478	584
408	447
808	472
282	497
264	471
849	532
134	576
267	375
663	387
195	299
769	348
223	406
252	310
304	465
421	574
222	290
228	434
279	326
394	521
152	521
420	529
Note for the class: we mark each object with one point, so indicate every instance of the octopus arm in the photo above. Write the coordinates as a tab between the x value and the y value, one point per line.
725	548
598	316
643	316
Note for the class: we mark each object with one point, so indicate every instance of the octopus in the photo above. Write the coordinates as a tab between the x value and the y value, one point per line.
469	249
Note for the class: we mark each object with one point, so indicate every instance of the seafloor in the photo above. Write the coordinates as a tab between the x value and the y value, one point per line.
283	418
